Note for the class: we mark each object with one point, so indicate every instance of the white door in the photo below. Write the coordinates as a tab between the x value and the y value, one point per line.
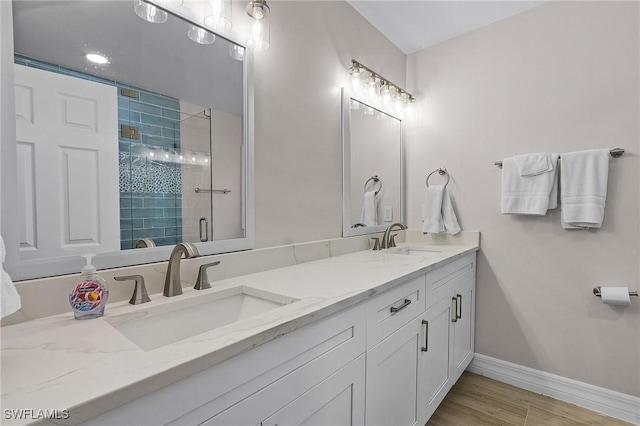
67	149
435	361
392	375
338	400
463	328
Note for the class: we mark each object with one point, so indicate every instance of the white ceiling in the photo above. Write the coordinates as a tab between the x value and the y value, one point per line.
417	24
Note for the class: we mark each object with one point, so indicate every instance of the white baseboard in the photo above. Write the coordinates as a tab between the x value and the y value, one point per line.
605	401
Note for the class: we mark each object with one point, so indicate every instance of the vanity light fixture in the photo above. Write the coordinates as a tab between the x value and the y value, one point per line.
218	15
236	52
149	12
379	91
200	35
258	28
97	58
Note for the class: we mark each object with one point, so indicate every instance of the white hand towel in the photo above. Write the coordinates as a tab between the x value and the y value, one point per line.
369	214
437	212
534	164
9	297
583	180
529	184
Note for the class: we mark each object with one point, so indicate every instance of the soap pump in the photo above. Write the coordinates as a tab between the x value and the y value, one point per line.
90	294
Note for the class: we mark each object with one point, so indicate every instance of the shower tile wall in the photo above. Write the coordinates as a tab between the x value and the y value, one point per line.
150	190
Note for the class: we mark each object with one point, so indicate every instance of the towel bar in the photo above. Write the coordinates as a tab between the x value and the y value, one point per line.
615	153
596	291
215	191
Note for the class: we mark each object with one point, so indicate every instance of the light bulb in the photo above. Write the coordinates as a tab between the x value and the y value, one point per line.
200	35
149	12
217	15
236	52
258	30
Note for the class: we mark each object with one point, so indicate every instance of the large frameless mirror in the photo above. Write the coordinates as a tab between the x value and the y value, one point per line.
372	167
125	157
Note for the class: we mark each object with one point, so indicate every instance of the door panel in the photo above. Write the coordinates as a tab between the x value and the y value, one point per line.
67	134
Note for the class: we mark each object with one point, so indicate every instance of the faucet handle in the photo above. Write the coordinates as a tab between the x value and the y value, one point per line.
139	280
392	240
202	282
376	243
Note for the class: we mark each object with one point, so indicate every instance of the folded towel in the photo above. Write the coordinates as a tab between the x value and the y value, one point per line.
9	297
437	212
529	184
583	179
369	214
534	164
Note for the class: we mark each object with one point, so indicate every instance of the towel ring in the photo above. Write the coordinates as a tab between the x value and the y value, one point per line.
375	179
441	171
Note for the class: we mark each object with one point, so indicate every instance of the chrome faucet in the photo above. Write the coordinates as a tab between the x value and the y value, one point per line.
388	239
172	284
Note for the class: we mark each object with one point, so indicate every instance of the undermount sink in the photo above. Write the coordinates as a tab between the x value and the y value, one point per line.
171	322
414	251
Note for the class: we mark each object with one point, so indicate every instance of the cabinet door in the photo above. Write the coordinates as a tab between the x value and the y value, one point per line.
338	400
392	375
463	328
435	362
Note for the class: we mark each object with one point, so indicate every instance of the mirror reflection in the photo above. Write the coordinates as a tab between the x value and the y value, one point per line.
143	148
373	168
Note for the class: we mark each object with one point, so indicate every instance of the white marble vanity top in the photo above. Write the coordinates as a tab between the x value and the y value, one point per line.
88	367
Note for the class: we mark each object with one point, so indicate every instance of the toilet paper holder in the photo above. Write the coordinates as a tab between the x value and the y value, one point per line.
596	291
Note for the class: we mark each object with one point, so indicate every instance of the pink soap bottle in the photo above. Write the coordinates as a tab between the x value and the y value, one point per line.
90	294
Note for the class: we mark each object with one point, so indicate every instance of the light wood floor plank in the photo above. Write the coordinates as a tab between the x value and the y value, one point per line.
477	401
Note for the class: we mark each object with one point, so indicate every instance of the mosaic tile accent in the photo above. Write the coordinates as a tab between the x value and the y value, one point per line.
143	175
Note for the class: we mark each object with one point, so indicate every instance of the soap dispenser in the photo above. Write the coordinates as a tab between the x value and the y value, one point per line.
90	294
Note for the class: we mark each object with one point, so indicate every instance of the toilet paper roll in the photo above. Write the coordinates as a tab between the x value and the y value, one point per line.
618	296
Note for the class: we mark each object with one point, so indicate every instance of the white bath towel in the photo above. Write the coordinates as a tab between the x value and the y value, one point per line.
583	181
369	214
529	184
437	212
9	297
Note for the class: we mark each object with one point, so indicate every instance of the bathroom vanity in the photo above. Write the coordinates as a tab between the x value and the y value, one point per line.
370	337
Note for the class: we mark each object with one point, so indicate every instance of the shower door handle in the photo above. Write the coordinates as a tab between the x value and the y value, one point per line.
204	236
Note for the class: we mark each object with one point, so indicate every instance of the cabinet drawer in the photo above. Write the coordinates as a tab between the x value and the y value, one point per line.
444	280
394	308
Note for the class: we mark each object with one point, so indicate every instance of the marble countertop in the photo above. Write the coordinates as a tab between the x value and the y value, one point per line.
89	367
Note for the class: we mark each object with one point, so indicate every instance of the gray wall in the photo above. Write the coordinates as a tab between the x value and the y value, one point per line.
561	77
298	148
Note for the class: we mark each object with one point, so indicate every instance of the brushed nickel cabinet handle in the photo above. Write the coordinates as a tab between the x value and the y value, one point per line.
425	348
459	306
395	310
455	310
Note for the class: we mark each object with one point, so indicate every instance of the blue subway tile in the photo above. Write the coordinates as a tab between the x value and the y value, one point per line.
144	213
148	233
158	121
159	100
170	113
161	222
142	107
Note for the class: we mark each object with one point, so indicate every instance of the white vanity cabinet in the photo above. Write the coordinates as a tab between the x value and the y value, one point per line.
411	370
389	360
324	358
394	336
449	327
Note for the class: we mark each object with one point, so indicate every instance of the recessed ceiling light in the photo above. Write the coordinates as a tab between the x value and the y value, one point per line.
96	58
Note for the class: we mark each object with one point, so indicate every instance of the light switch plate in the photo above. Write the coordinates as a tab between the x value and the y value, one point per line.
388	213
